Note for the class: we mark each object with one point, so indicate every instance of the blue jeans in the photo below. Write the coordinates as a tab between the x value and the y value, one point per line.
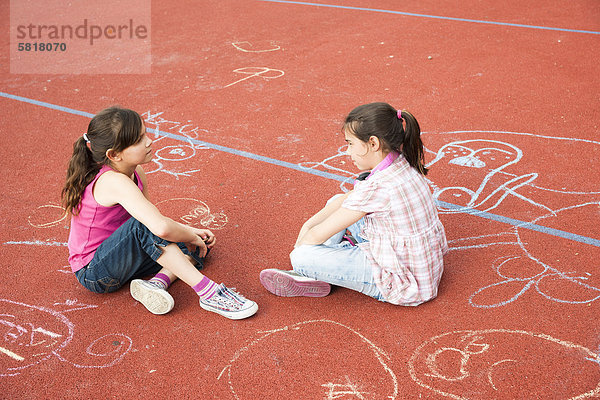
129	253
337	263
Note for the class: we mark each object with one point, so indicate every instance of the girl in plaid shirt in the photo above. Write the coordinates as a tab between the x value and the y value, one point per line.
400	241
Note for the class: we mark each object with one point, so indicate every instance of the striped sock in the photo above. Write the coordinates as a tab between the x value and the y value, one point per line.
161	280
205	288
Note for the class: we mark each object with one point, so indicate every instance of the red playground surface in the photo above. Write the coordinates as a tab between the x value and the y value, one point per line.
245	99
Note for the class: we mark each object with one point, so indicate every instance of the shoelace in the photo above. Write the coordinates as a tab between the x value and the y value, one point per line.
233	295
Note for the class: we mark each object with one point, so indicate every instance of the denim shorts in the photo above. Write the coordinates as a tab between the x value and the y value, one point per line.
129	253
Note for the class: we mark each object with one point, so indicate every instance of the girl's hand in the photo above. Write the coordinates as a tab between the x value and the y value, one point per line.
199	244
207	236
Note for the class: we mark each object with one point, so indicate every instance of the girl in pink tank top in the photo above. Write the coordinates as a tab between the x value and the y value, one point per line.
118	236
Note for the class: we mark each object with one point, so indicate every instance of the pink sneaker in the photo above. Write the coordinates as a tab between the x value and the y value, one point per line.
290	284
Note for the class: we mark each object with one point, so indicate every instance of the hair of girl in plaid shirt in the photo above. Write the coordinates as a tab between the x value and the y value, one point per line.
398	130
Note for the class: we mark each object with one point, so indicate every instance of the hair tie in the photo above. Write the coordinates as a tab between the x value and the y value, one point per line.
400	115
86	138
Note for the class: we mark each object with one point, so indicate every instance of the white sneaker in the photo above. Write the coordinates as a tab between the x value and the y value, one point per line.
156	299
229	304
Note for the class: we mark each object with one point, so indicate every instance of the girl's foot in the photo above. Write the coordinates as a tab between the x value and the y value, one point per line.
156	299
290	284
229	304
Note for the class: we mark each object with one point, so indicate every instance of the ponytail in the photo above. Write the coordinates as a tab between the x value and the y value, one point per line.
385	122
81	171
114	128
412	146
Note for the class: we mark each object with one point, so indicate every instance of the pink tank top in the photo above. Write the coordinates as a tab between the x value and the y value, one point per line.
94	224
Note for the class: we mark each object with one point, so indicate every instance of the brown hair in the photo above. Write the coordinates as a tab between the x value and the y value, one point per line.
114	128
382	120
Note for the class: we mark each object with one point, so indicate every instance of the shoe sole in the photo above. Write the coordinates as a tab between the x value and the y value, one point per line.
156	301
233	315
284	285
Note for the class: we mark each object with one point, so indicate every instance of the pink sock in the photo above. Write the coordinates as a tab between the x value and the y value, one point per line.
161	280
205	288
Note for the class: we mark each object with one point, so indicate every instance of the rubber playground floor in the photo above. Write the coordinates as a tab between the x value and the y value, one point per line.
245	99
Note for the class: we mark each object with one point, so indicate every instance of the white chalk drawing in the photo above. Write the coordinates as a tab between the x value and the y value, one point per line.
502	363
533	270
482	172
47	216
192	212
551	267
335	164
156	121
248	47
333	370
37	243
263	72
30	335
170	159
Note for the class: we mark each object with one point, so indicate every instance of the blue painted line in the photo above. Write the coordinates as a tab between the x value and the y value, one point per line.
285	164
246	154
477	21
520	224
47	105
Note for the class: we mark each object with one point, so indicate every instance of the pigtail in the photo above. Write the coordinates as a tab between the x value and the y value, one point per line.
114	128
412	146
81	171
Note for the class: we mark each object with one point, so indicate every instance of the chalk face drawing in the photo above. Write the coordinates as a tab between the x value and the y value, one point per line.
349	366
501	364
172	159
485	159
482	169
30	335
192	212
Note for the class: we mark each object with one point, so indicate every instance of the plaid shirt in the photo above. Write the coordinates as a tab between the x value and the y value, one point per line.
406	239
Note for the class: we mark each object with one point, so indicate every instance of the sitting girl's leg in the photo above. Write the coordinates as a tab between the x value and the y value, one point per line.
341	265
133	251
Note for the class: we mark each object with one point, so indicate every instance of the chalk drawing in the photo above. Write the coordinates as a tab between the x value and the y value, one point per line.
502	363
549	267
248	47
482	172
168	159
192	212
47	216
331	367
336	164
156	121
171	159
37	243
263	72
30	335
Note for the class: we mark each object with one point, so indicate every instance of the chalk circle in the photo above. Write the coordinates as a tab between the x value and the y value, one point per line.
30	335
317	359
176	153
502	363
567	259
47	216
192	212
